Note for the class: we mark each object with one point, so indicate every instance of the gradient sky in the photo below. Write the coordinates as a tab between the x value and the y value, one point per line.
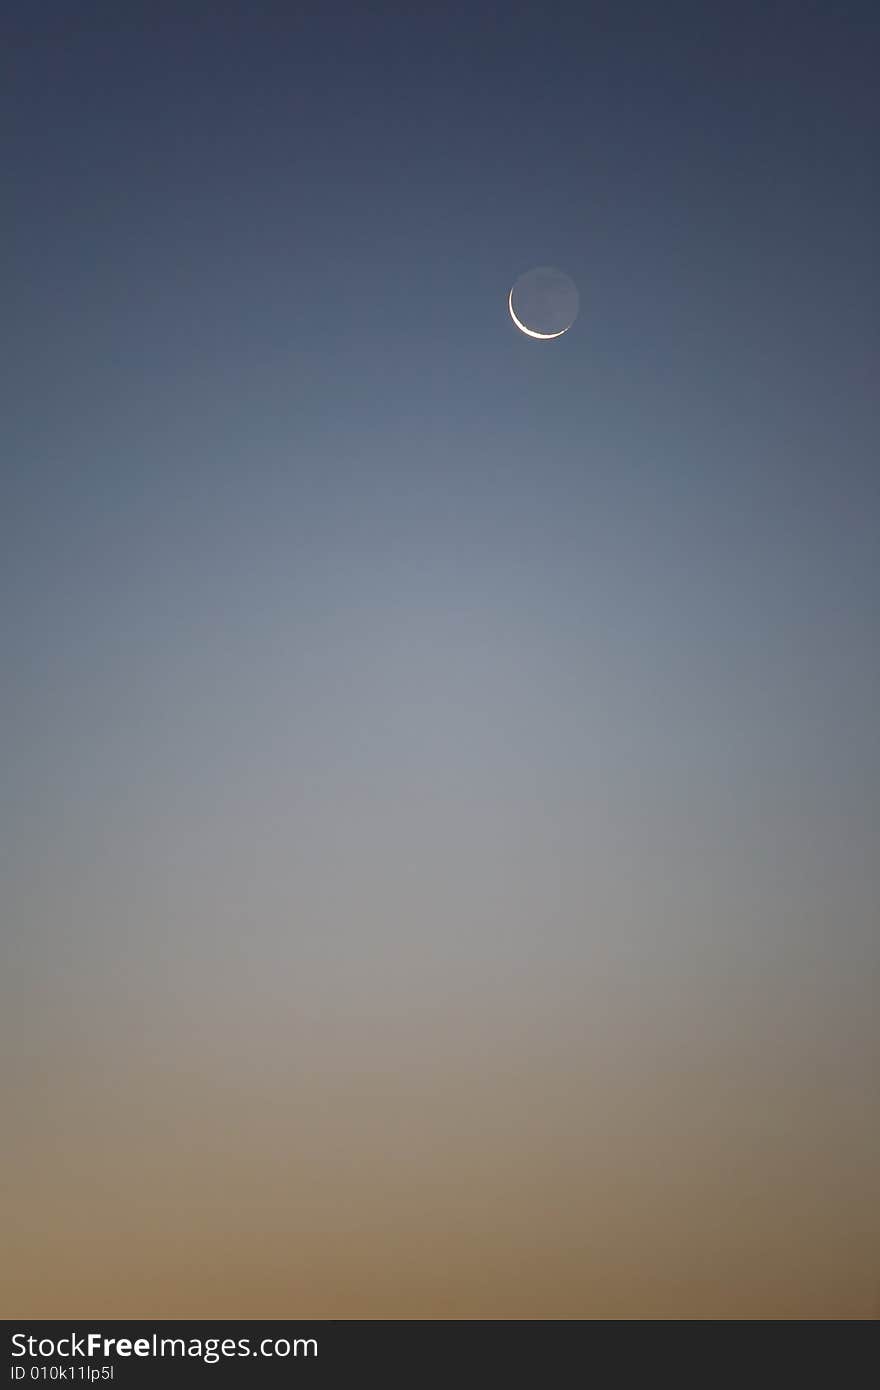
440	809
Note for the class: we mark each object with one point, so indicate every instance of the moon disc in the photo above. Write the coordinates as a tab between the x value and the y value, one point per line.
544	302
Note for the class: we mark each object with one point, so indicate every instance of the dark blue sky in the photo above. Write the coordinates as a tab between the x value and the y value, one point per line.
341	619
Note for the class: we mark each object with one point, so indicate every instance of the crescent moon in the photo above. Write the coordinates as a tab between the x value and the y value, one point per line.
530	332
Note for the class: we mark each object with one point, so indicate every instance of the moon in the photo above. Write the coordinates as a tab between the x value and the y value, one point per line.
530	332
546	303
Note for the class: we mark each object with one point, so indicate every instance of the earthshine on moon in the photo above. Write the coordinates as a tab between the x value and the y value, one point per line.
543	303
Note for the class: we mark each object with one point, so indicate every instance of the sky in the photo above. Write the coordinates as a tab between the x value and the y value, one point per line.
440	815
